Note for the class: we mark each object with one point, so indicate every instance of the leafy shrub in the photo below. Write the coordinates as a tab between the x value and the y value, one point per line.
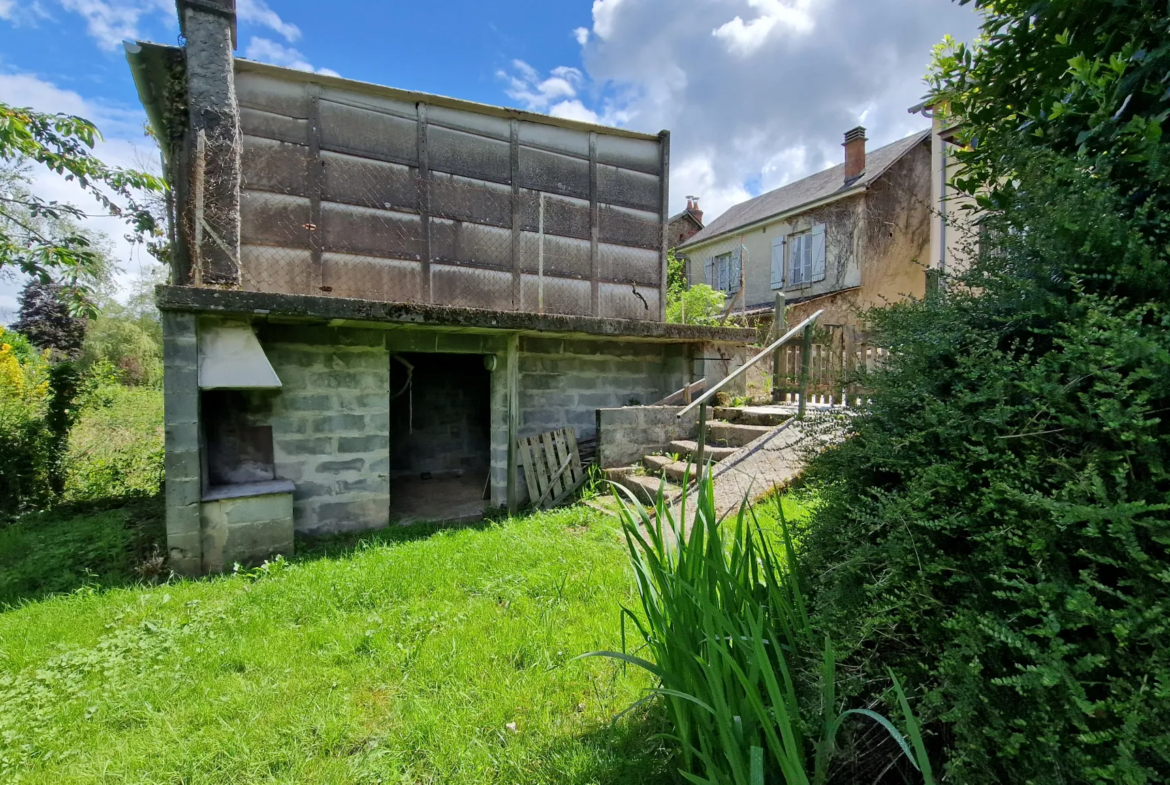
998	528
725	622
116	445
698	304
25	439
130	344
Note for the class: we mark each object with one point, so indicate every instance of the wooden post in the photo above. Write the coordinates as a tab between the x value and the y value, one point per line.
702	439
932	282
805	359
779	327
513	371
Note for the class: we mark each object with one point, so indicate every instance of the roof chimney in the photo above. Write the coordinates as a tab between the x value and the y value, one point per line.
854	153
693	208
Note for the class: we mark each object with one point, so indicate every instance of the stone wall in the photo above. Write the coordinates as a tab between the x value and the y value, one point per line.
248	530
181	407
627	434
331	424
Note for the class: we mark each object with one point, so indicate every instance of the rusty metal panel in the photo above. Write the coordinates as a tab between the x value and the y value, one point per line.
370	232
368	183
621	263
461	241
361	99
641	155
623	226
471	122
568	296
274	166
631	189
349	129
619	301
371	277
562	255
559	174
467	154
266	268
555	139
274	126
463	199
471	287
563	215
269	94
274	219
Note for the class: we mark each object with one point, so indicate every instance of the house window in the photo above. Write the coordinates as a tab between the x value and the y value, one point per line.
800	256
722	278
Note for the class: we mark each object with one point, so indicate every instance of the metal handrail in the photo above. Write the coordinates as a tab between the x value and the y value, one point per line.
788	336
701	401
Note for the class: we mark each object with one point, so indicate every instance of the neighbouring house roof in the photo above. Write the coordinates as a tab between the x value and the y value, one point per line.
686	214
815	189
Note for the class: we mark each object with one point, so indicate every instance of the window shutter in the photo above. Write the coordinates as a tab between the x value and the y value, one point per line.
818	253
709	271
778	263
736	270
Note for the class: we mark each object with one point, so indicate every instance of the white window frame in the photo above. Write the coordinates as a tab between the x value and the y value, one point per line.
721	272
800	261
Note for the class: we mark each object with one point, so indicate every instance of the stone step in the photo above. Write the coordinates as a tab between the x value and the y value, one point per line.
712	452
753	415
643	486
657	465
727	434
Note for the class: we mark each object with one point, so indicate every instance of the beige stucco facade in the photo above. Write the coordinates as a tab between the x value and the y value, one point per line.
877	247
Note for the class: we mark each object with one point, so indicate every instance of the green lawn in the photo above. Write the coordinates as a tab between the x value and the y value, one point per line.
418	655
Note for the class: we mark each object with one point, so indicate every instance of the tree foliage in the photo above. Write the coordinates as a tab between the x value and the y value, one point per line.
998	528
36	237
686	304
44	319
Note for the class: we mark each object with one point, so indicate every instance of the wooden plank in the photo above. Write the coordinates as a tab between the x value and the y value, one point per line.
526	461
574	453
542	470
550	457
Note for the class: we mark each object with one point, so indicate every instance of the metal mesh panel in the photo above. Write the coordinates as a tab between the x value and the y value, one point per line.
346	226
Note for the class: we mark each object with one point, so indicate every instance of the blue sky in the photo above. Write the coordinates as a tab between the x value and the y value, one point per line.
756	93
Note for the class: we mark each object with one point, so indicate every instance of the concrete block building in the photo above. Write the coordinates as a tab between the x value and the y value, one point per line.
374	293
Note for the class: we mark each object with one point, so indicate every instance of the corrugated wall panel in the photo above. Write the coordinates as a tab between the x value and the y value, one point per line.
618	301
622	263
471	288
463	199
631	189
555	139
561	295
269	94
623	226
274	126
457	152
562	255
460	241
641	155
274	219
563	215
472	122
361	181
259	274
274	166
364	231
371	277
347	129
558	174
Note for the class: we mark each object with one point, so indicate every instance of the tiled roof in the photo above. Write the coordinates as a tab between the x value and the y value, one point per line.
811	189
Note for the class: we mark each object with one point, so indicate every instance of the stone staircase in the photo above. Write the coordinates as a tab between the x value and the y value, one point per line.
732	429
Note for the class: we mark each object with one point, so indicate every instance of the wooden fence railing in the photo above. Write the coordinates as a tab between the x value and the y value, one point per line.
838	356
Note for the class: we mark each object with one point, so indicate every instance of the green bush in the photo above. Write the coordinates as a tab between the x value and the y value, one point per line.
116	445
26	454
998	528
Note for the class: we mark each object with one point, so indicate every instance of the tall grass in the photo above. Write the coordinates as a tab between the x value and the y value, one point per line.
748	684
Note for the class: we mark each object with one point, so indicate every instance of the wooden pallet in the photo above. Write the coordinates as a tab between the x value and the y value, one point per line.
552	466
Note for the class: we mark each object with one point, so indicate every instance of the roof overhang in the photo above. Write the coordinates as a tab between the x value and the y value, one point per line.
771	219
346	312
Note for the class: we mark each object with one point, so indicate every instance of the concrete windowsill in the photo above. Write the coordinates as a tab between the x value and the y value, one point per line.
248	489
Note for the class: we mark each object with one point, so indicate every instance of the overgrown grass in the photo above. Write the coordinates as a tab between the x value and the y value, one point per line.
416	656
116	445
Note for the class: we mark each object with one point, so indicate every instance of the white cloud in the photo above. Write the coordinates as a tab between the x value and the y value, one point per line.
25	12
258	11
582	35
269	51
556	94
746	37
756	93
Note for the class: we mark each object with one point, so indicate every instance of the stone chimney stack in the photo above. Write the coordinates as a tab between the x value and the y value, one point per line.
693	208
854	153
211	217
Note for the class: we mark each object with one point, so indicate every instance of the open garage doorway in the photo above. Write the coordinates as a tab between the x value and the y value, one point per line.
440	437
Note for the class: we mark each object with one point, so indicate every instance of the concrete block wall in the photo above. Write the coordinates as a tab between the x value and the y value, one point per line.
331	424
627	434
248	530
183	468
